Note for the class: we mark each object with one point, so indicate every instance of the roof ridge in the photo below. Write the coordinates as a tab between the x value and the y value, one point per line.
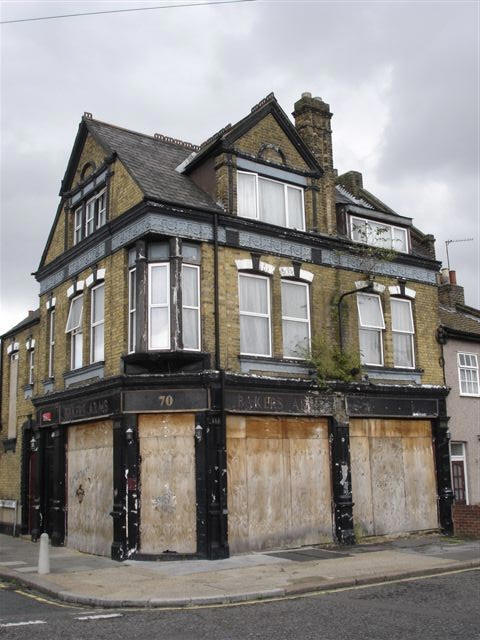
156	136
356	200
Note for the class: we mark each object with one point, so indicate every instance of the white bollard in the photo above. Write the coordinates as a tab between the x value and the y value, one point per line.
43	557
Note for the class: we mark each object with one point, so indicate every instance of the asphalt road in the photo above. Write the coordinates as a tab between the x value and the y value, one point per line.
438	608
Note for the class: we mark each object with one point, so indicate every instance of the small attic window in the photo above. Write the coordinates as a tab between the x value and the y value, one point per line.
378	234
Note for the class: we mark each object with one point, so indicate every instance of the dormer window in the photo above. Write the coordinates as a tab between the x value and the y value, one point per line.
270	201
379	234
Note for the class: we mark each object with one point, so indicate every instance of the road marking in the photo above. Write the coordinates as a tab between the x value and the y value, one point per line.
100	616
45	600
11	563
19	624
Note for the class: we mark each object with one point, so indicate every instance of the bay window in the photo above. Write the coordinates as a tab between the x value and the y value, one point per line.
159	306
468	374
270	201
371	325
97	323
191	307
402	333
295	319
378	234
95	213
74	328
254	307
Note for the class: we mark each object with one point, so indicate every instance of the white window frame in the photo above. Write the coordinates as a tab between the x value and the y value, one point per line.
12	397
462	458
103	211
474	368
195	308
268	315
300	320
51	343
95	214
132	310
77	225
286	185
31	366
151	306
410	333
378	329
93	324
385	224
75	331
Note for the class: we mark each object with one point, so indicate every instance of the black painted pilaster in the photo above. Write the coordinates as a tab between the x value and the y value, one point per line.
25	477
339	435
119	511
441	444
216	485
56	516
201	483
141	275
176	339
133	482
37	480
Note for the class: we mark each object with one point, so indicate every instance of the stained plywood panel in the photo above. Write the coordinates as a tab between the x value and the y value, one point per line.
279	490
388	493
167	473
393	476
361	485
90	487
420	484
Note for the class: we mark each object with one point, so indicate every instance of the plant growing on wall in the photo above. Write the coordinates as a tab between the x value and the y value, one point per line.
332	363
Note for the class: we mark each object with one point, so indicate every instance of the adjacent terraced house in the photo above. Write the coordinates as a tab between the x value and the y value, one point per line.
235	349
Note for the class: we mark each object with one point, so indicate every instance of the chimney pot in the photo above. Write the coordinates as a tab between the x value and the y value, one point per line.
306	94
452	276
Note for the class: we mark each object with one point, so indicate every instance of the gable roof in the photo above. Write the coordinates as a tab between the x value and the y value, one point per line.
150	160
229	134
32	318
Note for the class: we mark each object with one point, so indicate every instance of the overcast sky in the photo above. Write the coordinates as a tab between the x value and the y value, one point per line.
402	79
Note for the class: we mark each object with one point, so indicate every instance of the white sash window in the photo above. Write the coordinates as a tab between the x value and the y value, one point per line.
191	307
371	325
97	324
402	333
159	306
254	306
295	319
74	328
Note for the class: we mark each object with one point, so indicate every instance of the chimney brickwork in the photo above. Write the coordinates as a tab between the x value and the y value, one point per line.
313	123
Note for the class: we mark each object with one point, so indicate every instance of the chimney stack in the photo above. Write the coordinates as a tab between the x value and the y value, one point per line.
312	121
449	292
352	181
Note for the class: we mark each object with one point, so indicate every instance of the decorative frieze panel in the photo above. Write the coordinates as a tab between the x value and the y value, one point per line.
269	244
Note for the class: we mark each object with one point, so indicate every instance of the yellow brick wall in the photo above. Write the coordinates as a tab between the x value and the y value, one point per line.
10	461
325	289
124	191
269	131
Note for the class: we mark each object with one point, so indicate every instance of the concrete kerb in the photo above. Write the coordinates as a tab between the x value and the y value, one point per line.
106	603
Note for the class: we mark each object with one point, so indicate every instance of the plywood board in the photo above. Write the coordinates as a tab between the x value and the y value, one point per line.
361	486
279	490
167	476
90	487
393	476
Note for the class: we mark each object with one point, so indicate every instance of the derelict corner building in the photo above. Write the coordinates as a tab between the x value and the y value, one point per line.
160	401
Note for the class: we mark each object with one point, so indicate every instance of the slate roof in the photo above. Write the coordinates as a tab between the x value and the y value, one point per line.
461	318
152	163
30	319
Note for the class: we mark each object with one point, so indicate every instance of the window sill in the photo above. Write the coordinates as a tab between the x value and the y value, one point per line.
10	444
85	374
393	374
250	364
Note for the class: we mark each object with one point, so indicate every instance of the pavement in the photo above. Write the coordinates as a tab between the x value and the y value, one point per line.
82	578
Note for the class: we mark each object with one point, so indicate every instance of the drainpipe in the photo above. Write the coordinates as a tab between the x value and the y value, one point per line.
216	295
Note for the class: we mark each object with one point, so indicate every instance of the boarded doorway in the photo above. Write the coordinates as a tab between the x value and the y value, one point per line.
279	489
393	476
167	475
90	487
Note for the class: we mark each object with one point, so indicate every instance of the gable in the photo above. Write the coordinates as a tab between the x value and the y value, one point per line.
267	140
93	155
